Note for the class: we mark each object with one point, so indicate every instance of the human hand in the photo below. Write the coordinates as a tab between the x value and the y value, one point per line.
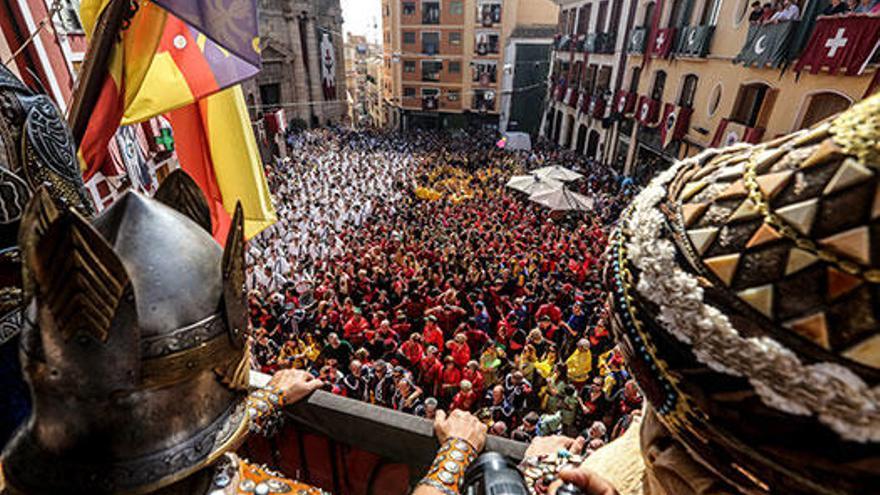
588	481
294	385
463	425
553	444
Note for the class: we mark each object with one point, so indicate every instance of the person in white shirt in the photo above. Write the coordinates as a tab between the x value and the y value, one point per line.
790	12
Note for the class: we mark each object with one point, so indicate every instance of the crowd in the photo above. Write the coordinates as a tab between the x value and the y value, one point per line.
788	10
469	297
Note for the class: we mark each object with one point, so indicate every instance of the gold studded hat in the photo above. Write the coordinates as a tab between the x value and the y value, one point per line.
746	295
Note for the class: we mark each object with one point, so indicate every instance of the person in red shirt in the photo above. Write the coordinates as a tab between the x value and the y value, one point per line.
413	350
449	379
400	326
472	373
354	328
465	398
459	350
432	335
550	309
430	371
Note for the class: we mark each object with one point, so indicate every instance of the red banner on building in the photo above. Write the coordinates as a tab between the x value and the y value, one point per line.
661	45
841	44
675	123
624	103
647	111
597	106
730	133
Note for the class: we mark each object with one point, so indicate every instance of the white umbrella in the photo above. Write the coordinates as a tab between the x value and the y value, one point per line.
556	172
531	184
563	200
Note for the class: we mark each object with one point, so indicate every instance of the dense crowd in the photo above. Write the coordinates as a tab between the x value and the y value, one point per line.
473	299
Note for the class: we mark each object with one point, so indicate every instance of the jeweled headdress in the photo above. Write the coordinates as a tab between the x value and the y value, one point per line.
746	291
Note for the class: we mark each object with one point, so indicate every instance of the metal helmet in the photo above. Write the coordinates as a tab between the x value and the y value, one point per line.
136	360
35	149
746	294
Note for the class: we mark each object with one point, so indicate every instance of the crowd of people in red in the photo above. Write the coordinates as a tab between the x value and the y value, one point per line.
491	304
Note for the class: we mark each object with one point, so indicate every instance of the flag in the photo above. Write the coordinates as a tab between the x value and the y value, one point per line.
841	43
693	41
216	146
625	102
190	58
674	124
328	65
766	44
647	109
159	63
661	45
730	133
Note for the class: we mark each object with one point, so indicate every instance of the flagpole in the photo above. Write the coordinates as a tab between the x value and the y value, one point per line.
94	71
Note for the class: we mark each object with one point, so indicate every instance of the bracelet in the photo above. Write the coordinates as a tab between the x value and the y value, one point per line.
264	406
447	471
541	471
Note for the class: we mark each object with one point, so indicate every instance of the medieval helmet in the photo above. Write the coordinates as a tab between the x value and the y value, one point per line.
136	359
746	295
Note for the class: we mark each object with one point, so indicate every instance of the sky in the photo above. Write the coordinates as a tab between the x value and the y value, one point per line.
363	17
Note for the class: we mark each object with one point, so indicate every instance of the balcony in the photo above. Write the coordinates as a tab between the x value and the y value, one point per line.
625	102
730	133
694	41
485	74
596	106
430	13
599	43
429	102
486	44
561	42
767	45
488	15
636	43
483	101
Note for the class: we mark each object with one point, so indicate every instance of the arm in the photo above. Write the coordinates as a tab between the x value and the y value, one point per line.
460	432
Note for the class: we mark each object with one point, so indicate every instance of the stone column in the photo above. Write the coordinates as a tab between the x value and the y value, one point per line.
315	91
298	74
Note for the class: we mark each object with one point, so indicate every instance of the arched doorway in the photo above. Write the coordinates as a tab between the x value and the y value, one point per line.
569	132
593	144
556	126
822	105
582	138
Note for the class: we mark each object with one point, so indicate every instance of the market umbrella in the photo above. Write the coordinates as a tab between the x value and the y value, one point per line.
556	172
563	200
531	184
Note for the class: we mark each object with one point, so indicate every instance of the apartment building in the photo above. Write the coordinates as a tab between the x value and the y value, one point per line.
443	58
588	67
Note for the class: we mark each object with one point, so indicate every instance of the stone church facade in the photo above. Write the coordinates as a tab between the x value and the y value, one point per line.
303	65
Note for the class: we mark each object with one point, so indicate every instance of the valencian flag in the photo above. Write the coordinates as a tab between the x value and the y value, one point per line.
841	43
175	54
766	44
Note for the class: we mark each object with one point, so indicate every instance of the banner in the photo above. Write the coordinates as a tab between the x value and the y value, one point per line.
766	44
661	45
841	44
647	111
694	41
625	103
674	124
730	133
328	65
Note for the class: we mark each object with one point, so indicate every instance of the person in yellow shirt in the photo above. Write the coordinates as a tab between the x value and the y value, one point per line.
580	364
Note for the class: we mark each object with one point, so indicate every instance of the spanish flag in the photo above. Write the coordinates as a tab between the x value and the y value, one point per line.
172	58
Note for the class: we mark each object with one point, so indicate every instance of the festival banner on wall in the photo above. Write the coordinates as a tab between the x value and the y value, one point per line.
328	64
841	44
674	124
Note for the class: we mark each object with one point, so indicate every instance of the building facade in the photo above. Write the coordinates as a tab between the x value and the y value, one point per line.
359	54
303	63
443	58
523	85
588	66
374	100
698	74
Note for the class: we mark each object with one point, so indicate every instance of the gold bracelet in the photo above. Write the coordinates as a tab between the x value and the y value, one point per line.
447	472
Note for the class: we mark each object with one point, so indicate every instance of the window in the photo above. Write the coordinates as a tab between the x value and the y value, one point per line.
409	66
486	43
455	67
68	17
409	8
270	95
681	13
485	73
634	80
710	13
823	105
688	90
431	70
430	12
584	19
453	95
430	92
601	14
431	43
715	99
409	92
456	7
649	14
489	13
455	38
749	103
659	85
409	37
